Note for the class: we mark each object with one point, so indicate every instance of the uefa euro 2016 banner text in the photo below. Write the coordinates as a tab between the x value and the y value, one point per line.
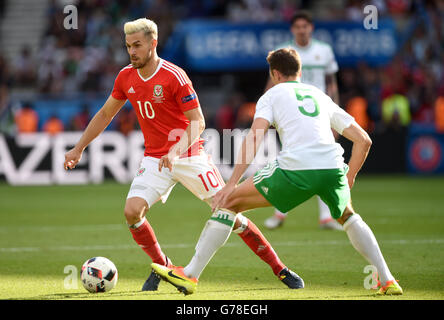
37	159
219	45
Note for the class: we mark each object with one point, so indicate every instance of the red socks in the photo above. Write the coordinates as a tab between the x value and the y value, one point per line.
253	237
146	239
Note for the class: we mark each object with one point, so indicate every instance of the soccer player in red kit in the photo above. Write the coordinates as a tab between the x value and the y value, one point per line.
169	114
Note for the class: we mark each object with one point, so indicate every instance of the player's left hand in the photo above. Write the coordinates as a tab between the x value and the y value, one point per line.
220	199
167	161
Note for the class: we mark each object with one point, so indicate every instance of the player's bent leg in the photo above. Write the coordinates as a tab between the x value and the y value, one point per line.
217	229
256	241
142	232
135	210
348	211
326	222
213	236
364	241
246	197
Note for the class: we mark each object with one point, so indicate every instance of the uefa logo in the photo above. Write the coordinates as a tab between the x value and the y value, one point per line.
425	153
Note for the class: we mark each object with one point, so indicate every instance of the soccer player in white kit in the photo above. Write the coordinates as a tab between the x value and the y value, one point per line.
171	120
310	163
319	69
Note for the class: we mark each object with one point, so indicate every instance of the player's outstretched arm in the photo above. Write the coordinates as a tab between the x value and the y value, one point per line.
361	146
96	126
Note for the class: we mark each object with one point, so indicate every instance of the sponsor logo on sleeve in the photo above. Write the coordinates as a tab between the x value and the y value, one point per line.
189	98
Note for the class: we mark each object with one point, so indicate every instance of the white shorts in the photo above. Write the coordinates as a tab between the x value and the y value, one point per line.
198	174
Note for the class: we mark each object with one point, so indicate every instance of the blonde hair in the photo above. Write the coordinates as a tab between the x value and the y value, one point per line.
149	27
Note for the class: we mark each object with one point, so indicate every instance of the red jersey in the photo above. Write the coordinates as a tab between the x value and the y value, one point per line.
159	102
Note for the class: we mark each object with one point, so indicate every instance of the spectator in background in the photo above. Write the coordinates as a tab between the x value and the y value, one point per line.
126	121
7	125
439	114
80	121
5	83
253	10
349	85
245	115
53	126
26	119
354	10
226	114
371	85
72	62
357	108
24	71
396	111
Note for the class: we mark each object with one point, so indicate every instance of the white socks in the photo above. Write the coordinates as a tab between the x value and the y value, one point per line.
214	235
324	211
364	241
280	214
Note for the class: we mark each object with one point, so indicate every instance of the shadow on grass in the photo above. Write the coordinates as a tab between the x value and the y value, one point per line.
158	295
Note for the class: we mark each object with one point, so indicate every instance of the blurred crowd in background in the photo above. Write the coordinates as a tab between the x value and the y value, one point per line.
410	88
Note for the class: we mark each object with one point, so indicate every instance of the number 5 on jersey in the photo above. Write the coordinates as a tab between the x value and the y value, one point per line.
302	109
145	112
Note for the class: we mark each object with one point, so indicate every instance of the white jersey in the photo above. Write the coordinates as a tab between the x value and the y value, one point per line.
318	60
303	117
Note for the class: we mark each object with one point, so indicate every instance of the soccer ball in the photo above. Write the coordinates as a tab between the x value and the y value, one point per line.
98	274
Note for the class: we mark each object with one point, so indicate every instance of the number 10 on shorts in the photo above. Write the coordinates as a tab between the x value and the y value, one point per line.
211	178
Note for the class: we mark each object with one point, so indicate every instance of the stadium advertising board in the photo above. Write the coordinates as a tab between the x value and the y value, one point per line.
217	46
37	159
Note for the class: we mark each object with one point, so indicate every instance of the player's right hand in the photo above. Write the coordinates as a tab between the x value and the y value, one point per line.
220	198
72	157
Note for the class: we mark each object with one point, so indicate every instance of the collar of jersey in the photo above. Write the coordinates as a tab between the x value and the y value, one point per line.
303	47
155	72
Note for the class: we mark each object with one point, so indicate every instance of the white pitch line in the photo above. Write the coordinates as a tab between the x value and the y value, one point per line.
191	245
97	227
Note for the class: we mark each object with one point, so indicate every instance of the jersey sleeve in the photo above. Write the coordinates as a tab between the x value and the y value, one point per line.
339	119
118	92
331	64
186	97
264	108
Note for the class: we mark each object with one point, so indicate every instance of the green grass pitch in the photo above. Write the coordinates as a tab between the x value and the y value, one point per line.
45	229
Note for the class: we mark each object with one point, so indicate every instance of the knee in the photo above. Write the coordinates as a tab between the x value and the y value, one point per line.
240	223
346	214
229	204
134	211
233	208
